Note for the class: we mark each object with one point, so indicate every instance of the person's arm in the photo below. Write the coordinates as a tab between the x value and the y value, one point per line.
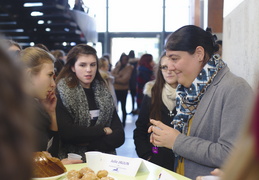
141	136
72	133
216	175
67	161
230	117
49	105
113	140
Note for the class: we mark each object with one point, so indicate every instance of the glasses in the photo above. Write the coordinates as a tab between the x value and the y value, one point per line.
164	68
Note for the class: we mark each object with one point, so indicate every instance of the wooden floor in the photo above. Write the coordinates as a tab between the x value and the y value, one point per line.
128	148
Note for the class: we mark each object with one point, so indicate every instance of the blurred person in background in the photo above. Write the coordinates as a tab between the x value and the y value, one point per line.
243	162
122	73
60	60
42	46
79	5
16	143
144	74
158	103
219	42
108	78
13	48
107	56
133	80
13	45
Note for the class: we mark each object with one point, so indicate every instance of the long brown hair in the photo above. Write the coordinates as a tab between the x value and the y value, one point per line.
72	56
156	92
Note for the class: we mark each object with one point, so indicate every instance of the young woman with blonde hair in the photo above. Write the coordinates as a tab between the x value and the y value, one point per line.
40	86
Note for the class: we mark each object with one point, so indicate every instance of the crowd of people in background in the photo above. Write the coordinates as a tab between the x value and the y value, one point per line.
190	107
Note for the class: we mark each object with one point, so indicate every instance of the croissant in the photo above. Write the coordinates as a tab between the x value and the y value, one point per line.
44	165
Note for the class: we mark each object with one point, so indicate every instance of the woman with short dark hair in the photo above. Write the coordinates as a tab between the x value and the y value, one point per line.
211	103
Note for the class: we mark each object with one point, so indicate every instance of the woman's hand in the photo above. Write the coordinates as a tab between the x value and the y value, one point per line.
107	130
71	161
216	172
50	102
162	135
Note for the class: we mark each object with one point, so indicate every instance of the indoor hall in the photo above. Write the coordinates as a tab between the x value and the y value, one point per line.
128	148
113	27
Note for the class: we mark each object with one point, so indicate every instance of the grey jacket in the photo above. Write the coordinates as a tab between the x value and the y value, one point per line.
215	125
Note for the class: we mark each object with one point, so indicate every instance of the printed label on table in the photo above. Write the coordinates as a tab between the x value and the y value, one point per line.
115	164
123	165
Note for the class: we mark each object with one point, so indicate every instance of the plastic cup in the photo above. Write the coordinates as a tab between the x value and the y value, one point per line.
93	160
73	156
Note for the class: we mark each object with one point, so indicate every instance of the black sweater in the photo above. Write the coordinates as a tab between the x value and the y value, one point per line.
42	131
91	138
165	156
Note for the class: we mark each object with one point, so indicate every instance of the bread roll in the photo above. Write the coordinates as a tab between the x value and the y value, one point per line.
44	165
102	173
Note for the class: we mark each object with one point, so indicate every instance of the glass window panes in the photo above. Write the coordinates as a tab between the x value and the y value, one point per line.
139	15
177	14
100	10
135	15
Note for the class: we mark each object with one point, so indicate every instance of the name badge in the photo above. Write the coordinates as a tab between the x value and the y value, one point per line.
94	113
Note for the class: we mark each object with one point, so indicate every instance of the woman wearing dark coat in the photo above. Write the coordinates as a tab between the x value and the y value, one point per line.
86	114
144	74
158	103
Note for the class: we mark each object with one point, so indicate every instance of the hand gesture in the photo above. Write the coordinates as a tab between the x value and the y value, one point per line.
217	173
107	130
162	135
50	102
71	161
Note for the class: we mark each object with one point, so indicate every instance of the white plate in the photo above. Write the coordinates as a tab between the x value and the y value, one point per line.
108	176
52	177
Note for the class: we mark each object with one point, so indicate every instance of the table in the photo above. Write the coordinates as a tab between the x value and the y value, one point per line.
154	171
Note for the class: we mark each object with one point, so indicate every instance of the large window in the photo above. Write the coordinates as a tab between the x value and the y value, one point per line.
139	45
177	14
139	16
135	16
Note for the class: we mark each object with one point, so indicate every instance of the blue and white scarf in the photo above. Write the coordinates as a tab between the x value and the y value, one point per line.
187	99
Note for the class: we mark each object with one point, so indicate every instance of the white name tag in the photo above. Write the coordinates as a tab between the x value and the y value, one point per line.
115	164
94	113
